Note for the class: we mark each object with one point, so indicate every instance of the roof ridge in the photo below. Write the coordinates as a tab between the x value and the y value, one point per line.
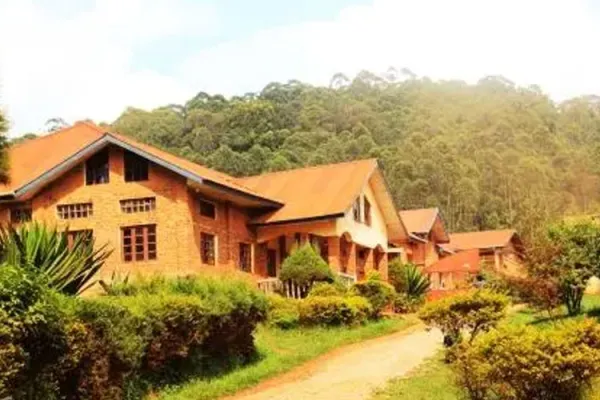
306	168
50	135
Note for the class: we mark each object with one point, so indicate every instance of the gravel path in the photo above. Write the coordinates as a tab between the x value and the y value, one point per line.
353	372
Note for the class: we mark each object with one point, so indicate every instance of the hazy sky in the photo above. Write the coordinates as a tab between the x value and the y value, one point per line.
90	59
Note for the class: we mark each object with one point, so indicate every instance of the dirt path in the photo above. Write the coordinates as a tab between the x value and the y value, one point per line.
353	372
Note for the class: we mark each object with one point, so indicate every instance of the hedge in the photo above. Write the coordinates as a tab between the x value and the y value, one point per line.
114	347
334	310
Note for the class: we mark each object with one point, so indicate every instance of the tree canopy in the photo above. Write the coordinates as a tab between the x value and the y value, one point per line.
490	154
3	146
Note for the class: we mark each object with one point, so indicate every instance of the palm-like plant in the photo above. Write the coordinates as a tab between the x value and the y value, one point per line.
67	267
417	284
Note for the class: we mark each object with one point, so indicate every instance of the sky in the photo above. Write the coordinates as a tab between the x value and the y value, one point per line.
79	59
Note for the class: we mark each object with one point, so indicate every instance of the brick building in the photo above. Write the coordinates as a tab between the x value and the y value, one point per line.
164	214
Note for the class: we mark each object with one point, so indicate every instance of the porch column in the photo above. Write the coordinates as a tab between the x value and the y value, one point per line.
351	266
260	259
383	267
334	261
369	261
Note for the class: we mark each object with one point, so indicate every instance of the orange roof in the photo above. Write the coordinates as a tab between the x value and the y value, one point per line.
480	240
32	159
465	261
419	220
311	192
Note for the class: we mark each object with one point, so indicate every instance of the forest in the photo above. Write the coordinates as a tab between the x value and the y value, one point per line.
490	154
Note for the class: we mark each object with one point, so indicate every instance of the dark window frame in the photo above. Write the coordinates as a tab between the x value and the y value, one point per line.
21	214
97	170
356	210
139	243
207	209
367	212
208	248
245	257
136	168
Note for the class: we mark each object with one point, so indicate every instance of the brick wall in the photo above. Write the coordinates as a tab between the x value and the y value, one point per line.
177	218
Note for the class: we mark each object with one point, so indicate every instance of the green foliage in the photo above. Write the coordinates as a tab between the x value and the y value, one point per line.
324	289
477	311
4	162
408	279
304	267
405	304
490	154
69	269
114	347
283	312
334	310
531	364
380	294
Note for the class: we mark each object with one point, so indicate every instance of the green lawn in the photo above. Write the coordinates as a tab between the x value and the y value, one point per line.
280	351
434	380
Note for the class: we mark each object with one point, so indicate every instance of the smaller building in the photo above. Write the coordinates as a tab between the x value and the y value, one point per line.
500	249
426	235
455	272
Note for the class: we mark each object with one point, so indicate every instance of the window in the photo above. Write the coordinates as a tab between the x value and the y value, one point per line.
136	167
245	261
130	206
367	212
96	169
74	211
356	210
282	248
139	243
207	209
86	236
19	215
207	248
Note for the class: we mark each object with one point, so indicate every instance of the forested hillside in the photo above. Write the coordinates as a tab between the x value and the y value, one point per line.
490	155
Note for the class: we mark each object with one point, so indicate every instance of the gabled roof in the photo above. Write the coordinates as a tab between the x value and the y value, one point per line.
318	191
465	261
420	222
481	239
36	162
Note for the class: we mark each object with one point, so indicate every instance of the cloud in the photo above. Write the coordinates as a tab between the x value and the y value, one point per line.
82	66
86	64
546	42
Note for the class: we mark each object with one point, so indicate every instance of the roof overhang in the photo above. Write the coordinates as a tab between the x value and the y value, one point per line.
29	189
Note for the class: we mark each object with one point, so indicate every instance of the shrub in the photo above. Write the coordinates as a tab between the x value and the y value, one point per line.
304	267
66	268
528	363
332	311
404	304
477	311
324	289
408	279
283	312
379	294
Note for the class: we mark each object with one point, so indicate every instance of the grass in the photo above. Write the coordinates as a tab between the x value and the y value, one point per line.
434	378
279	352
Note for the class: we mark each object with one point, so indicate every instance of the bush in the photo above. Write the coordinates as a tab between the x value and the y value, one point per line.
110	347
404	304
379	294
477	311
324	289
333	311
283	312
528	363
304	267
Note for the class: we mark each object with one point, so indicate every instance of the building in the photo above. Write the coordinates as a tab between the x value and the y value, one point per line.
164	214
501	250
454	272
426	235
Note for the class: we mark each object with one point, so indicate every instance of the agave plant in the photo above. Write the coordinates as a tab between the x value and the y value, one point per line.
67	267
417	284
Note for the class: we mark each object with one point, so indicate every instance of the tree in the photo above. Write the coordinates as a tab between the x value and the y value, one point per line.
4	166
475	312
304	267
55	124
